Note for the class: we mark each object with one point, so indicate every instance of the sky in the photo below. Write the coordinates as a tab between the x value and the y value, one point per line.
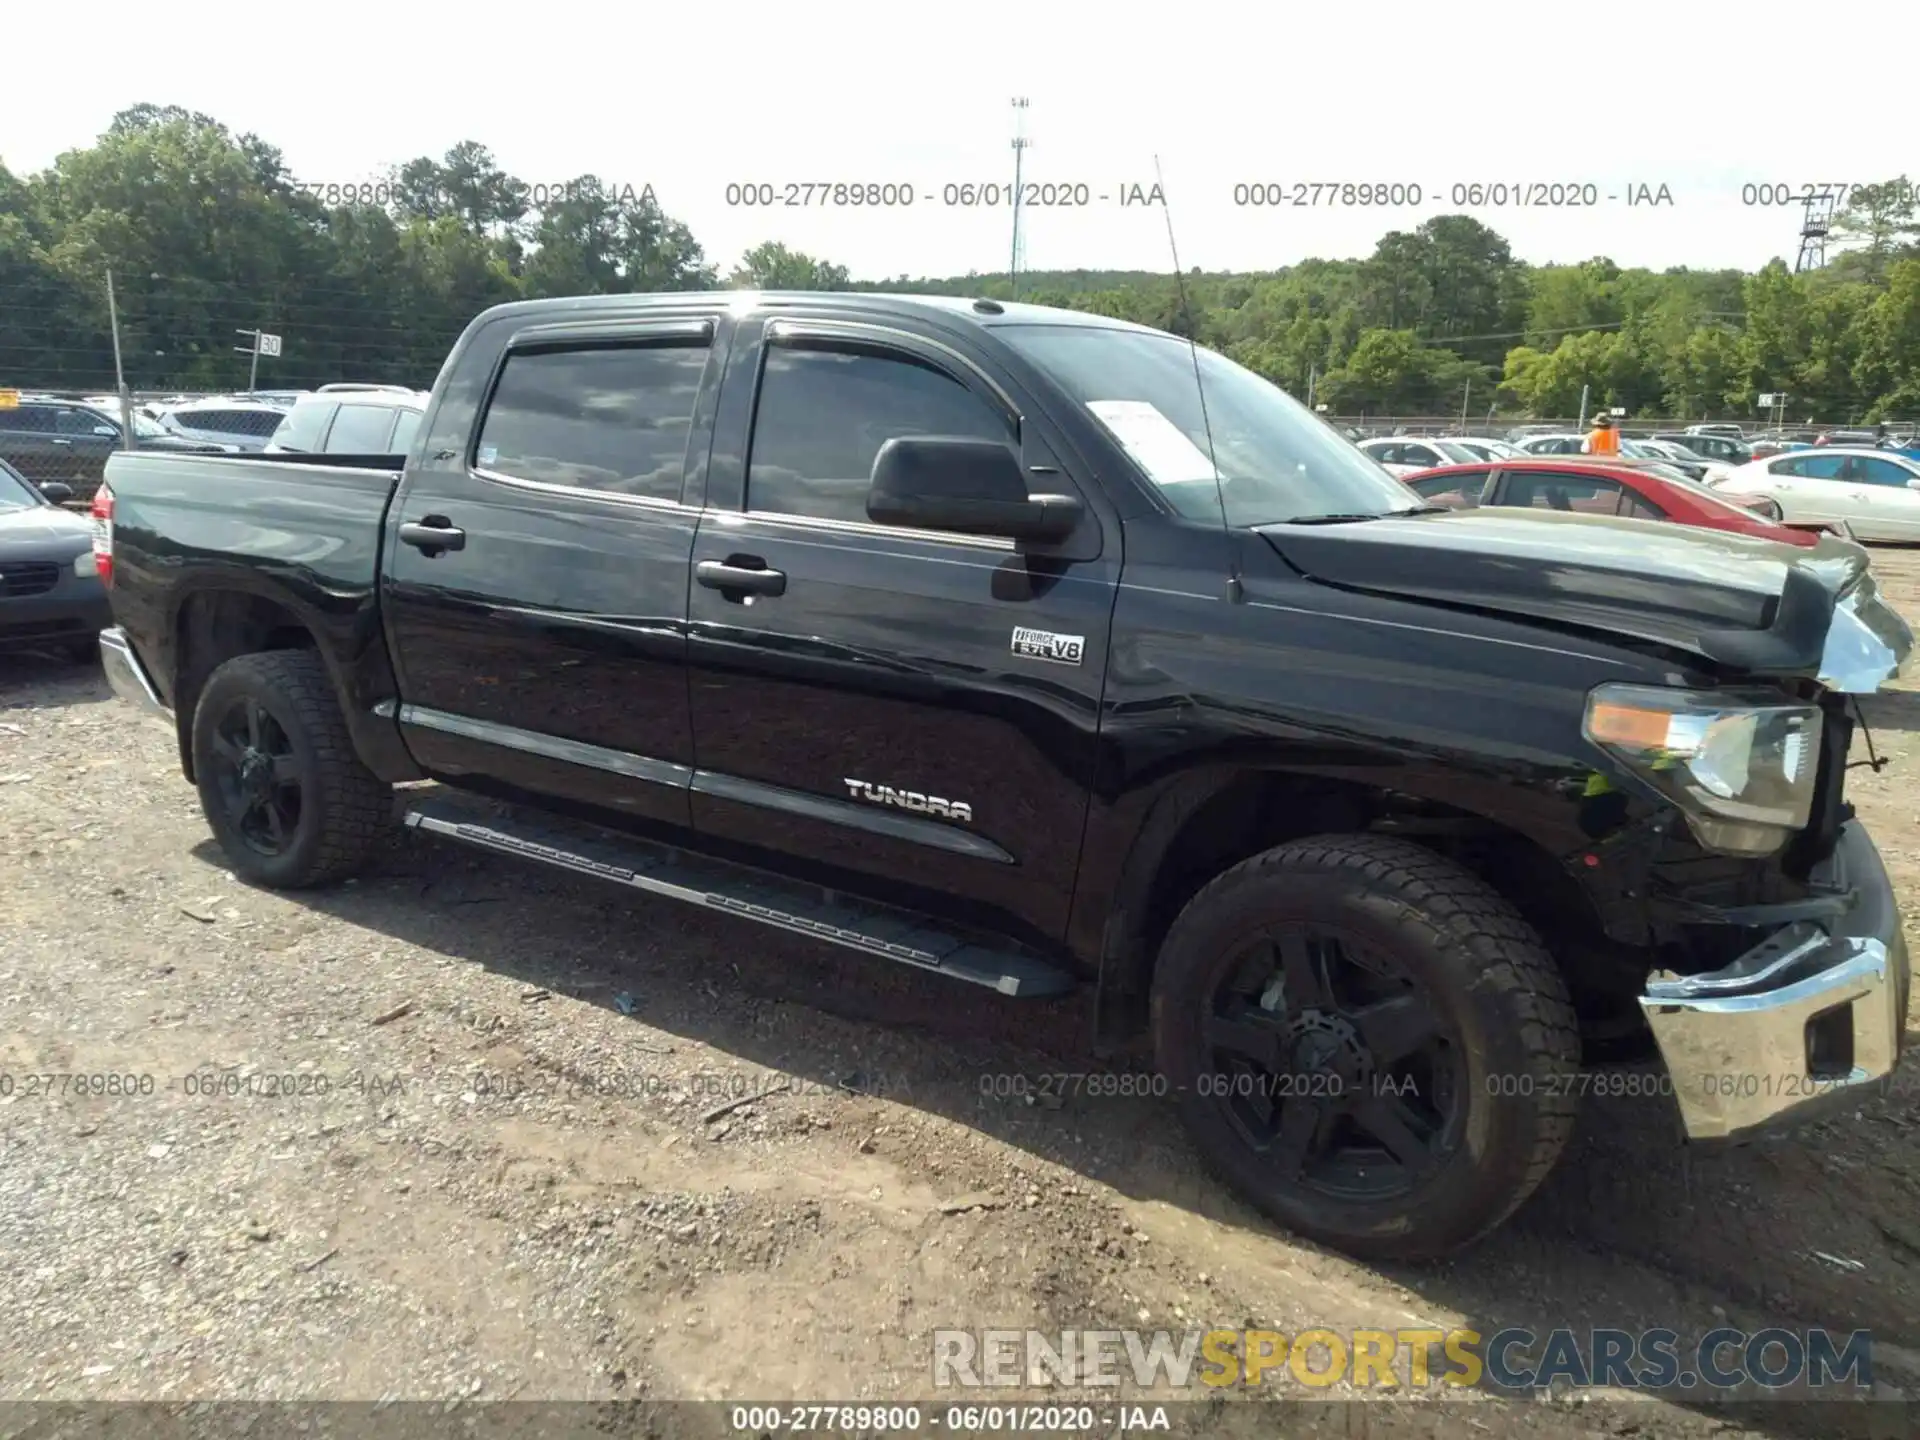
1548	103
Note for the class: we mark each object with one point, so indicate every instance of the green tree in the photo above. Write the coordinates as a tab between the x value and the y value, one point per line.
596	241
772	266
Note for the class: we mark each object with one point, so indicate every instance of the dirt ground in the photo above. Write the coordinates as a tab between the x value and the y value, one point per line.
452	1133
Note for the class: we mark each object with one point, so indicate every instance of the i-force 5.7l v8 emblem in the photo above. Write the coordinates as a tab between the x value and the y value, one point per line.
909	800
1046	645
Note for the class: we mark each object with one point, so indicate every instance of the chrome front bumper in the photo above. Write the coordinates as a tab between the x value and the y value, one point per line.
1811	1018
128	676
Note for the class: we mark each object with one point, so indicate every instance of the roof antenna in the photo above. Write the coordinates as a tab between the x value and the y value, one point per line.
1235	591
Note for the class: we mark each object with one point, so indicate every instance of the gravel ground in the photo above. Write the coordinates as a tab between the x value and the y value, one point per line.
466	1130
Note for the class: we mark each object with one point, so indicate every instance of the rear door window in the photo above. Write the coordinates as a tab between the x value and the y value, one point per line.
613	417
305	428
361	430
404	430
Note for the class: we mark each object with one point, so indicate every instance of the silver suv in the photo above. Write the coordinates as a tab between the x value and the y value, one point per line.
236	421
351	420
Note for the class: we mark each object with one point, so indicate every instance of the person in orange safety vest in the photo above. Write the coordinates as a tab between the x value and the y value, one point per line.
1603	439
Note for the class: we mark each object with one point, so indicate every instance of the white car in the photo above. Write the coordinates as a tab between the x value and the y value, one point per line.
1876	492
1403	455
1486	448
1709	470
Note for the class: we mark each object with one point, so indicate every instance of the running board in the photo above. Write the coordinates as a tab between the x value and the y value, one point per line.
809	910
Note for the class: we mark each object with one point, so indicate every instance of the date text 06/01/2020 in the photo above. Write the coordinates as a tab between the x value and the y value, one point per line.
1460	195
869	1419
951	194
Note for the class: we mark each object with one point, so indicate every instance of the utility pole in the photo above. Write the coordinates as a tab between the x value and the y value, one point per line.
1020	146
1463	407
1313	376
119	376
1583	408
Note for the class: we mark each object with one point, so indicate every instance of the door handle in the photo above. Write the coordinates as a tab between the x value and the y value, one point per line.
432	535
755	579
63	442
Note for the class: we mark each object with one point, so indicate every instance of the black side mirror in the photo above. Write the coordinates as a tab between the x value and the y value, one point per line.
975	487
56	492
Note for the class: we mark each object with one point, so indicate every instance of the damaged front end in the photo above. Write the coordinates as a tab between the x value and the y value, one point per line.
1784	979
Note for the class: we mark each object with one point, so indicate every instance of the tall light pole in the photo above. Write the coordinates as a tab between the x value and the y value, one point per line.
1020	145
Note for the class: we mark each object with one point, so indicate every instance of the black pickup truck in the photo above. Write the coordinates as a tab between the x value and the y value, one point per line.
1038	649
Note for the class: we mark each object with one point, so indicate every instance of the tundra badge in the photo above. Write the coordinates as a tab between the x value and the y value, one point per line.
909	800
1046	645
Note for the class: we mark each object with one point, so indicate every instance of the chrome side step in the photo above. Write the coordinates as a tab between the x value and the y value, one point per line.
734	890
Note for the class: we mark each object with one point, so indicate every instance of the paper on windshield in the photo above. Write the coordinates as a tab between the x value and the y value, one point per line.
1160	447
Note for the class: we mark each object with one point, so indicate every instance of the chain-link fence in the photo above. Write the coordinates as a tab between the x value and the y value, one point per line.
65	438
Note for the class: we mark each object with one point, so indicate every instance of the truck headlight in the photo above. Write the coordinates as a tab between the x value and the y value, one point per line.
84	565
1739	764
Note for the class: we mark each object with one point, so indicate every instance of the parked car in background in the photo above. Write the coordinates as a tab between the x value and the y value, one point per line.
50	590
1689	461
1569	443
351	420
239	424
1602	487
1485	448
1721	449
1552	442
1721	428
1404	454
49	439
1876	492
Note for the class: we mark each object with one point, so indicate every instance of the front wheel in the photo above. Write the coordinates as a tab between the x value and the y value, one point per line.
288	799
1368	1042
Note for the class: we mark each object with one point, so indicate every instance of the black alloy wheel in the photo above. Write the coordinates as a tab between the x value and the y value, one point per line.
1368	1042
256	775
282	787
1333	1063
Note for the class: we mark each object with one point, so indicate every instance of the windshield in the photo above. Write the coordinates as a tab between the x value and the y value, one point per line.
146	428
15	492
1277	461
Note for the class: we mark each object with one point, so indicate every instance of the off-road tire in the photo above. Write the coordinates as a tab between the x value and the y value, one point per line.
1480	964
345	810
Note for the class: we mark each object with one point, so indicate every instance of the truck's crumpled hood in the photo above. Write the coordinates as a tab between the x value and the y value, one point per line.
1739	601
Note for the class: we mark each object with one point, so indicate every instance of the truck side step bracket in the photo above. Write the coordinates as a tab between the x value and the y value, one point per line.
810	910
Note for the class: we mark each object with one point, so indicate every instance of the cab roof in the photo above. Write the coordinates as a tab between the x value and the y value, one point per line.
976	310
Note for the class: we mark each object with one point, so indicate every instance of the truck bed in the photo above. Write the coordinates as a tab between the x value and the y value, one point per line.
316	513
306	535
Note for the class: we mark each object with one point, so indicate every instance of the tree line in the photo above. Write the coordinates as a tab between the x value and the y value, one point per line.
207	233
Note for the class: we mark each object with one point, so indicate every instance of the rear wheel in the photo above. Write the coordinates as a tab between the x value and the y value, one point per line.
1368	1042
287	797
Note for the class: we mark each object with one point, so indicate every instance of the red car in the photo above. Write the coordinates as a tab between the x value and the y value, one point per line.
1642	492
